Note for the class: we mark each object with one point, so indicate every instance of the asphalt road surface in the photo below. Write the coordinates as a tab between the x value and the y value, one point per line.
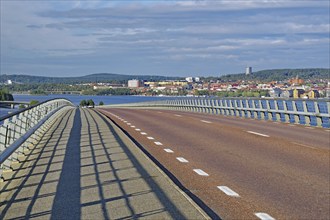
240	168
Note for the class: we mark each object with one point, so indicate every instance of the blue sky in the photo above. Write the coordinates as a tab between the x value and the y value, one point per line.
174	38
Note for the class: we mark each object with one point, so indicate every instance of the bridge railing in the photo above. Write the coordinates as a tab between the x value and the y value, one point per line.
299	111
18	127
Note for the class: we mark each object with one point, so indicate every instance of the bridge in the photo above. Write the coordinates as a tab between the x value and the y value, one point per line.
12	104
183	159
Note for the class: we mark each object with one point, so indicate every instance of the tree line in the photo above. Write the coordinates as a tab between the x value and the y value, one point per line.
238	93
5	95
89	103
275	75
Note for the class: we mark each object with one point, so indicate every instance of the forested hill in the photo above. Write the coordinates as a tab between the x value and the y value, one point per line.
264	76
279	75
98	77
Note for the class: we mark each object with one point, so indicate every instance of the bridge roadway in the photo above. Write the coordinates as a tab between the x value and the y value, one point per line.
240	168
84	167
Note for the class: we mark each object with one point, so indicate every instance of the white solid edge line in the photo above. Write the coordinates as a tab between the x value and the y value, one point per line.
256	133
158	143
150	138
264	216
182	160
208	122
200	172
228	191
168	150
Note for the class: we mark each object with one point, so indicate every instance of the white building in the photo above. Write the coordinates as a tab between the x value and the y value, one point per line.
189	79
248	70
192	79
134	83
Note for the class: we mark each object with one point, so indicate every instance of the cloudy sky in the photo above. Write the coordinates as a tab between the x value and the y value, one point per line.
175	38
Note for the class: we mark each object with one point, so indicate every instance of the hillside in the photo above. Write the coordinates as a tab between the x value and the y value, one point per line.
264	76
98	77
279	75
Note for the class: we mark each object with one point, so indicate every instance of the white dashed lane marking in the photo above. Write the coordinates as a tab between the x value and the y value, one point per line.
182	160
158	143
132	126
143	133
264	216
137	129
256	133
150	138
200	172
168	150
309	127
178	115
303	145
228	191
208	122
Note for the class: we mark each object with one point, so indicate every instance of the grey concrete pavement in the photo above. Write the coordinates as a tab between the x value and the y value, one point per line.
86	168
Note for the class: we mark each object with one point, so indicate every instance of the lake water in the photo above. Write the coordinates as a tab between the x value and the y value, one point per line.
75	99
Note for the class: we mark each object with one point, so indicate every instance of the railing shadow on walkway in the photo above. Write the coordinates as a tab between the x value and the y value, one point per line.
67	198
121	194
23	187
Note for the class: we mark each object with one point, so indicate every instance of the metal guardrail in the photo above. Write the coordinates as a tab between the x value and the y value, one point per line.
18	127
299	111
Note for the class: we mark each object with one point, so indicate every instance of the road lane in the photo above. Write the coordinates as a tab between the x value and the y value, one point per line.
315	136
271	175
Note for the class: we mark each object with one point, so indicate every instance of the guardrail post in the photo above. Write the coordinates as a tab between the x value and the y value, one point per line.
270	115
217	106
225	107
317	113
203	105
194	105
277	115
286	115
307	118
238	107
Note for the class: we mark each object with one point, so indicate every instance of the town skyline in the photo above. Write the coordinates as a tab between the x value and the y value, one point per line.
174	38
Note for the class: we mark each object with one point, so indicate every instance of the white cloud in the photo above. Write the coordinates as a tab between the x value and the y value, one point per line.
184	31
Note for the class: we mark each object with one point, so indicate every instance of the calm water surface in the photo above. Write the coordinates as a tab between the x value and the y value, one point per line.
75	99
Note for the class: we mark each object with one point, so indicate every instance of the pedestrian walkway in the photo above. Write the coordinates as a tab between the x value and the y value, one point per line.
84	167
